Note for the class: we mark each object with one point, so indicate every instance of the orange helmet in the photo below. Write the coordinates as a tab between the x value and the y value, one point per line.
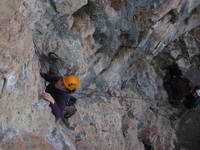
71	82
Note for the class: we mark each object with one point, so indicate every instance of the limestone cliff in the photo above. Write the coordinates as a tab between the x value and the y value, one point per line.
118	48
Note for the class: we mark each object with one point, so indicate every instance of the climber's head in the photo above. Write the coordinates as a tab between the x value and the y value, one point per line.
60	84
69	82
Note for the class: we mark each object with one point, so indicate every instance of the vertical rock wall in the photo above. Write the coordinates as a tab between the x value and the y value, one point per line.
19	68
110	45
25	121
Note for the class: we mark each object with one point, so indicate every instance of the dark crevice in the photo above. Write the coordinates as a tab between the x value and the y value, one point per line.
176	85
3	87
86	9
53	5
174	16
173	13
195	10
147	145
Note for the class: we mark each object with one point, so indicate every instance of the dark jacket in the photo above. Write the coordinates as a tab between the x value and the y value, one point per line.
61	97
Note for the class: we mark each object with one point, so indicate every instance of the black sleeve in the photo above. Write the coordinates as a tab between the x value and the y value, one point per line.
50	77
56	110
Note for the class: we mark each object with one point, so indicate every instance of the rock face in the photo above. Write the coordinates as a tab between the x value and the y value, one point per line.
23	142
68	6
120	123
187	130
118	48
17	55
24	119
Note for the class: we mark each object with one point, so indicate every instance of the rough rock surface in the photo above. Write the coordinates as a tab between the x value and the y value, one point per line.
68	6
188	130
118	48
23	142
124	124
24	119
185	52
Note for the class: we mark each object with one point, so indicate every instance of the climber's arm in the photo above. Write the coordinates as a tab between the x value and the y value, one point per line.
48	97
50	77
54	106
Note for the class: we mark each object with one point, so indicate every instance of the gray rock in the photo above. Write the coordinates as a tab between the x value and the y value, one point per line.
175	53
183	63
108	44
68	6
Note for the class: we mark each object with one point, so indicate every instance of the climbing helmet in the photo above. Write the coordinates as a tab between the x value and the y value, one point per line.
71	82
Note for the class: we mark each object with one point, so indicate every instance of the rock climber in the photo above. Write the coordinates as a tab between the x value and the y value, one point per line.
192	100
58	94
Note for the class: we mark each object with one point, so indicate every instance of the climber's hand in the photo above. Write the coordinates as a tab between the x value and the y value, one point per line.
48	97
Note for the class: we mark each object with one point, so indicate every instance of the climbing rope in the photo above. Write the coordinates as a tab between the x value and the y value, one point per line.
89	94
101	95
109	96
112	96
122	97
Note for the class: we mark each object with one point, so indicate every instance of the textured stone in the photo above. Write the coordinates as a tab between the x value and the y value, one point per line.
183	63
188	129
69	6
117	4
166	30
107	44
23	119
191	44
122	122
26	142
20	41
175	53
